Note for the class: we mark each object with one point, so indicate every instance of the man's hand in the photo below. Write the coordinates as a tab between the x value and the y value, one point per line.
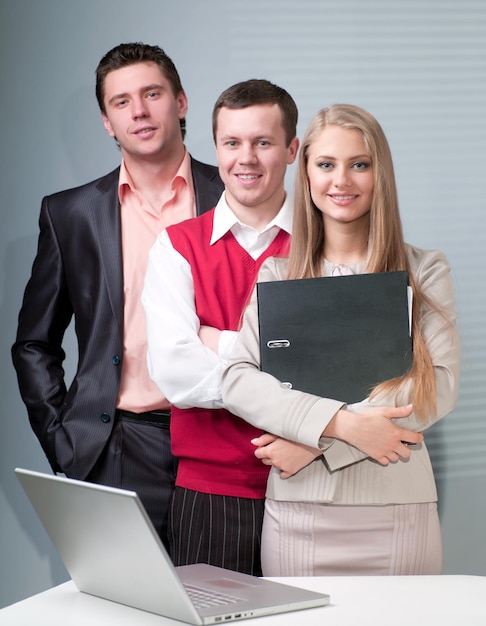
287	456
209	336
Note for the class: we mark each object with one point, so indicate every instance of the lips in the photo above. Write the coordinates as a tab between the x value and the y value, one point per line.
247	177
145	130
343	199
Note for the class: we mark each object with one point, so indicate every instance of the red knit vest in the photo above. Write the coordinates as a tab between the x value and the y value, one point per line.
213	445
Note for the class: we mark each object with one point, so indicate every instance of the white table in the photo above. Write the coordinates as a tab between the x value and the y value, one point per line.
362	601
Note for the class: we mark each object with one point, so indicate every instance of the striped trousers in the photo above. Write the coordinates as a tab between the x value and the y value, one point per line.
219	530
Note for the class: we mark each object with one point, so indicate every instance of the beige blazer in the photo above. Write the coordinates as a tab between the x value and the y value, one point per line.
343	474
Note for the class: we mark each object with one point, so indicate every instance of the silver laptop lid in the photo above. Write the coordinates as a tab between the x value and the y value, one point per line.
106	550
111	549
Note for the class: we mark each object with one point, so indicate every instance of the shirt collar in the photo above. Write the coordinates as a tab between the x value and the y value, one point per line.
124	181
224	219
184	172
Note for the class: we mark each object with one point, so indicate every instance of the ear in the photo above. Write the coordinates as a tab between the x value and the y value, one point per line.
182	104
292	150
107	125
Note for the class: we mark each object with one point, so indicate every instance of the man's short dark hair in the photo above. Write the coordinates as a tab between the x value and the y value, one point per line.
258	91
127	54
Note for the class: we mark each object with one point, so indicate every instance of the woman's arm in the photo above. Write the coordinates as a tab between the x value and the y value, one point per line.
373	433
260	399
432	273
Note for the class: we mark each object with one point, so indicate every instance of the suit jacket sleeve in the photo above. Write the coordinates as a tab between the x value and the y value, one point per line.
37	352
77	273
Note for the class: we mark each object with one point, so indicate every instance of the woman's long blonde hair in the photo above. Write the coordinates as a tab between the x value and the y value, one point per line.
386	246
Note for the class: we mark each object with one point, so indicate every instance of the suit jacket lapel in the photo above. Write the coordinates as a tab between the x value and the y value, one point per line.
105	212
107	221
207	186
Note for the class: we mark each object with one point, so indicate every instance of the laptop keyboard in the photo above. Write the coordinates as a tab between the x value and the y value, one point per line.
204	599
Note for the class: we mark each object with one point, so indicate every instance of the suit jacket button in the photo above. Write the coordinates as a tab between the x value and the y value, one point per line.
105	418
116	360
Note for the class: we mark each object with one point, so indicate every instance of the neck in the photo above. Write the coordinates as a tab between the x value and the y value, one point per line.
346	246
152	177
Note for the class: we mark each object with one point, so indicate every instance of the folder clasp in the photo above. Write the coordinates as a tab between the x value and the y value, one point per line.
278	343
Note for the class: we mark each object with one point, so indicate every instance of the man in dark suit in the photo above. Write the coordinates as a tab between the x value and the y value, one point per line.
111	425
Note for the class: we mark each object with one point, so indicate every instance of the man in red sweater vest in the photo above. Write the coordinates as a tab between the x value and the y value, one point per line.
200	276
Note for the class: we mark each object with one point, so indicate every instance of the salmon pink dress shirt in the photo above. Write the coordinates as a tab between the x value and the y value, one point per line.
140	226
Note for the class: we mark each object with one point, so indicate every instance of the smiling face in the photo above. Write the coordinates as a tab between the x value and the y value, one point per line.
142	112
253	156
340	175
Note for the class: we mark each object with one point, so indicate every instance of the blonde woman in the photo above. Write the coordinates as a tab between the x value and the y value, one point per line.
351	490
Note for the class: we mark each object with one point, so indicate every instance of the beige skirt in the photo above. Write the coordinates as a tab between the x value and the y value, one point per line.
307	539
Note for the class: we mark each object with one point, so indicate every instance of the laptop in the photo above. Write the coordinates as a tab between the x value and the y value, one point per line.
111	550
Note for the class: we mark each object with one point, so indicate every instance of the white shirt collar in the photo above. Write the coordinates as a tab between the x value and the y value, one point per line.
225	219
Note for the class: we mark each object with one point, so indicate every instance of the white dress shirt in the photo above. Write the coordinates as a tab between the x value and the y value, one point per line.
187	372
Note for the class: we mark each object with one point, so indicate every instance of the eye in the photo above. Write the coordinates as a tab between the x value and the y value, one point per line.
325	165
263	143
152	94
121	103
361	165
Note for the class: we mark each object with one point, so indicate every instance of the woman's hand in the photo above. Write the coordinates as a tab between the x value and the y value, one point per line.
374	433
287	456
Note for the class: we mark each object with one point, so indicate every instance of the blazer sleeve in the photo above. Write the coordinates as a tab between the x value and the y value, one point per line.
260	398
37	353
439	328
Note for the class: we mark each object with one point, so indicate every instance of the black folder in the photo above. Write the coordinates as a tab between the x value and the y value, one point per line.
335	337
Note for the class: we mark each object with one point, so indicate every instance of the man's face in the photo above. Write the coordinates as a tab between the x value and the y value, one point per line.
253	158
142	112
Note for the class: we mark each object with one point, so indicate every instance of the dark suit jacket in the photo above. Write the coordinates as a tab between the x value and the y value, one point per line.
78	271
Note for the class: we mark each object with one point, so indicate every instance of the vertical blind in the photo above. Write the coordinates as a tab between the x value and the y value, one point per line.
420	67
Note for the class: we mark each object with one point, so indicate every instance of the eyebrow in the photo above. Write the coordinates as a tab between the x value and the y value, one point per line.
258	138
126	94
353	158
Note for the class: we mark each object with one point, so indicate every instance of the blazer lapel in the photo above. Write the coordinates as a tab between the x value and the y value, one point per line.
105	212
207	186
106	218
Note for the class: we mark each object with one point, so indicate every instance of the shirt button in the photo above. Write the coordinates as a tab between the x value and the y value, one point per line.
105	418
116	360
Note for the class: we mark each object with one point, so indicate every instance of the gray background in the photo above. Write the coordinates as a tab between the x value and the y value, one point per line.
419	66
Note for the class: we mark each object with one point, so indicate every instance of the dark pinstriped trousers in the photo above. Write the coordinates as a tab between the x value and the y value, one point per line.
219	530
138	457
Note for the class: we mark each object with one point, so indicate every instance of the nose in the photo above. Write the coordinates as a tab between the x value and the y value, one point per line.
341	177
247	153
139	108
